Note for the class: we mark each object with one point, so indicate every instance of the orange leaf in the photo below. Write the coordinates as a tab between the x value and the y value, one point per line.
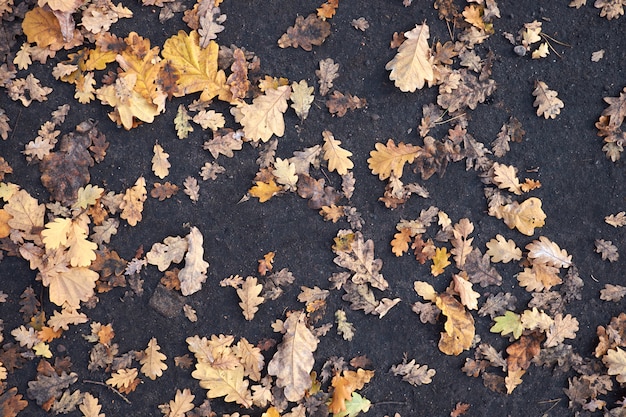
400	242
342	392
43	28
440	261
264	191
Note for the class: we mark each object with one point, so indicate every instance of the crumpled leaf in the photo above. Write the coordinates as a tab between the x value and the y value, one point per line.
525	217
171	250
293	362
132	202
305	33
459	326
337	157
47	387
413	373
193	275
359	258
412	66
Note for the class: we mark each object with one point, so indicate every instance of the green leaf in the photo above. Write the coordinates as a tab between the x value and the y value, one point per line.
509	323
355	406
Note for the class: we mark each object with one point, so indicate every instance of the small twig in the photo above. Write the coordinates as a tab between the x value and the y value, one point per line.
88	381
555	401
594	278
554	40
450	119
390	403
16	122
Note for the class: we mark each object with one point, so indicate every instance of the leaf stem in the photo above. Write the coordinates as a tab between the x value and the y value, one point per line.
88	381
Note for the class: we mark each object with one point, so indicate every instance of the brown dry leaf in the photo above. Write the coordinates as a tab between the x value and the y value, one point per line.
305	33
413	373
339	104
163	191
328	9
228	382
389	159
249	296
546	101
192	189
412	66
359	258
502	250
337	157
607	249
561	328
293	362
266	264
612	292
459	326
469	297
152	360
264	117
540	277
224	142
318	194
181	404
327	73
460	409
525	217
132	203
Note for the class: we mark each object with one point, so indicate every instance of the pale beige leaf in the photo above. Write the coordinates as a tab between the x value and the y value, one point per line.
67	316
90	406
535	319
160	164
546	101
192	189
612	292
72	286
547	252
461	242
285	173
505	177
344	327
425	290
227	383
301	98
122	378
469	297
412	66
413	373
251	358
615	361
337	157
249	296
327	73
193	275
562	328
293	362
264	117
209	119
360	260
171	250
616	220
152	360
502	250
524	217
182	402
26	214
542	51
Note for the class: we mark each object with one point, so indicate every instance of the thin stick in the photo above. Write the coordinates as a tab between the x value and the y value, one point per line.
390	403
19	115
450	119
88	381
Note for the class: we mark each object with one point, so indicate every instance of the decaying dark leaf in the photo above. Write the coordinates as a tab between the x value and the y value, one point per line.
339	104
305	33
315	191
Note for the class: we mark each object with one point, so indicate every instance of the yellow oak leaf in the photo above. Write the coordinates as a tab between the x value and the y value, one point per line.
42	349
540	277
132	202
459	326
502	250
469	297
42	27
342	392
440	261
123	378
195	67
264	117
98	59
152	360
389	159
264	190
27	214
160	164
5	229
127	102
182	402
337	157
227	383
412	66
90	407
400	242
525	217
71	286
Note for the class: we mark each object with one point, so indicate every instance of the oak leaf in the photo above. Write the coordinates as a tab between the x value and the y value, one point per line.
123	378
461	242
264	117
360	260
509	323
132	202
293	362
337	157
615	361
42	27
152	360
607	249
561	328
305	33
301	98
339	103
502	250
128	103
459	327
525	217
193	275
389	159
547	252
505	177
413	373
400	242
163	191
171	250
66	317
539	277
285	173
46	388
181	123
469	297
160	164
249	296
71	285
440	261
264	190
327	73
228	383
90	407
195	68
546	101
412	66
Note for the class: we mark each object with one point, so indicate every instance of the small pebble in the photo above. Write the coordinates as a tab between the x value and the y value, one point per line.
520	50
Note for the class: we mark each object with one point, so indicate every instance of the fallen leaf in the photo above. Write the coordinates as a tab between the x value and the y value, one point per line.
193	275
264	117
412	66
546	101
249	296
152	360
337	157
305	33
459	327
